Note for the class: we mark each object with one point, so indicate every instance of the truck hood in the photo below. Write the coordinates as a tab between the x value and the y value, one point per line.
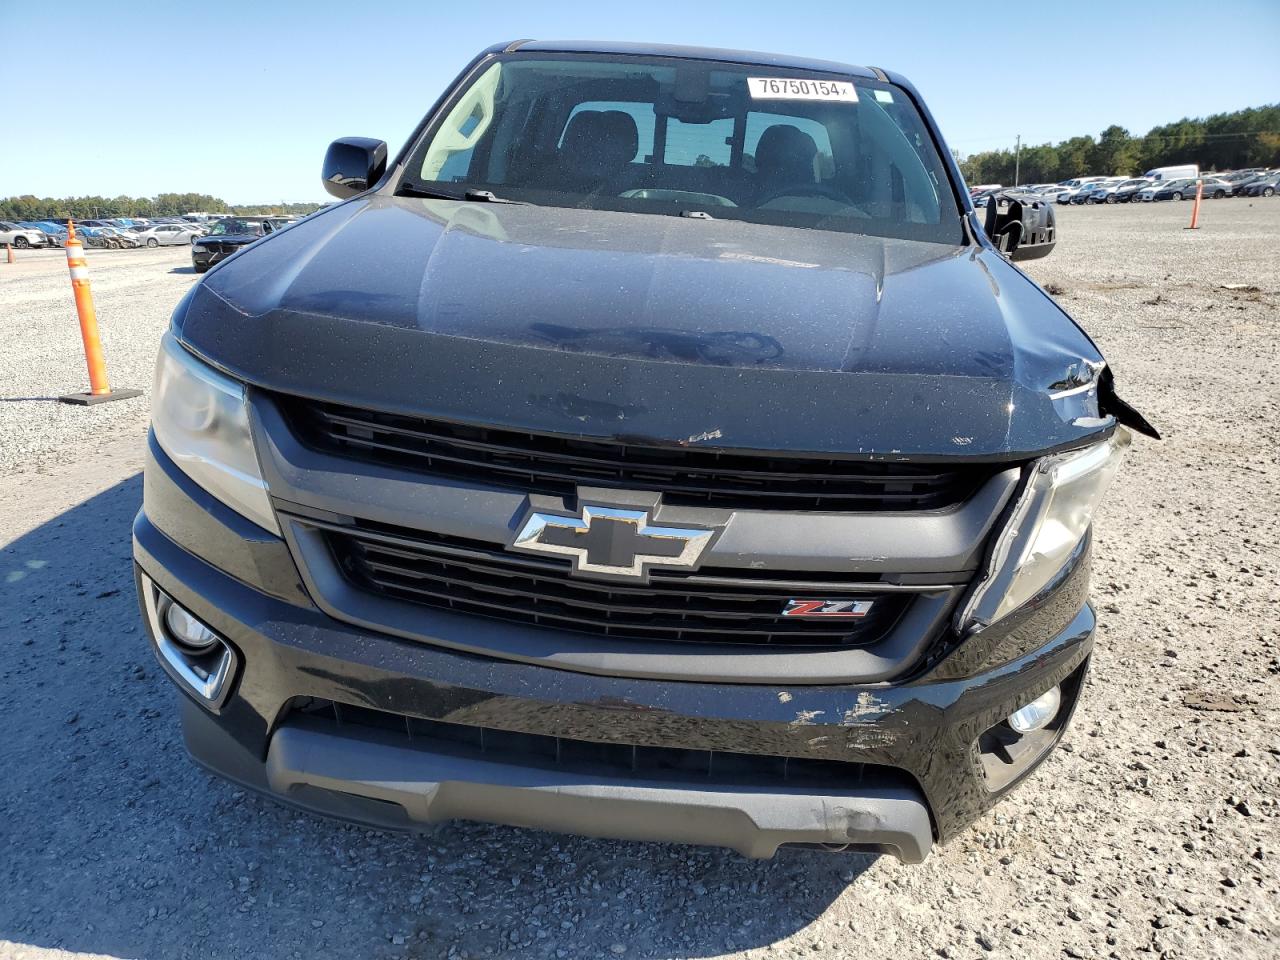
653	329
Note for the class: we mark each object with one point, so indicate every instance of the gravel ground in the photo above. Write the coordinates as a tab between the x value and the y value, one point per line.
41	356
1153	832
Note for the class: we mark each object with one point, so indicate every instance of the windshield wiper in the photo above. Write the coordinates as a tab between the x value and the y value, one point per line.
470	194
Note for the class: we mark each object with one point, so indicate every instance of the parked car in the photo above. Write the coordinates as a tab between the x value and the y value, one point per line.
227	236
163	234
469	497
117	239
1168	190
54	234
21	237
1262	187
1175	190
1068	193
1215	188
1239	177
1124	191
1092	192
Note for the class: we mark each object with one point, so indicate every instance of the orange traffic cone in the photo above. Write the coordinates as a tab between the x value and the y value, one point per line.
99	390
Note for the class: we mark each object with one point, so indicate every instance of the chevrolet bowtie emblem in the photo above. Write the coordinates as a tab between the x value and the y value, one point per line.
612	542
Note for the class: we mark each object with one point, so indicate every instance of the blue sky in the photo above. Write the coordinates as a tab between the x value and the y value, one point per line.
239	99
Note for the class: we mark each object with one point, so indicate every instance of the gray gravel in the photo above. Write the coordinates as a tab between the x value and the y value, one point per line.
1152	833
41	356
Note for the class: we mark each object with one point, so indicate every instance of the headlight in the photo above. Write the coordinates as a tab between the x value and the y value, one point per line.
197	246
1051	518
201	421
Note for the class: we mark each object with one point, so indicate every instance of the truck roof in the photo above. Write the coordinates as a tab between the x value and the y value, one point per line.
690	53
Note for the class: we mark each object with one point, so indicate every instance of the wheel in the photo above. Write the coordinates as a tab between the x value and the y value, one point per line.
1219	194
199	267
152	242
1111	198
1269	191
1177	196
21	243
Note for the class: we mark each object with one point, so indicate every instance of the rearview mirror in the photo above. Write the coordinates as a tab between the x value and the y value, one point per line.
352	165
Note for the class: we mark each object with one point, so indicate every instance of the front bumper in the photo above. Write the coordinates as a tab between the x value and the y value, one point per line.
920	748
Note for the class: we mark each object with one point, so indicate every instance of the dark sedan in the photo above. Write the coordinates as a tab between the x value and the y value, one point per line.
1264	187
1175	190
228	236
1128	191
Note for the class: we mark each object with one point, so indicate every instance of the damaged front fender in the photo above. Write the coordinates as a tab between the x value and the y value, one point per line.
1110	404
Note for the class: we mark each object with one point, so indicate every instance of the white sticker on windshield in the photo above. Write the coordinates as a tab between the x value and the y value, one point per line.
785	88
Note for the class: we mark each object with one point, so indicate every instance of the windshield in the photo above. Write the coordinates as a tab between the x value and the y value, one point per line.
230	225
680	137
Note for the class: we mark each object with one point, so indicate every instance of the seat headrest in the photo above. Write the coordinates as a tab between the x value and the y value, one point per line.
786	153
600	142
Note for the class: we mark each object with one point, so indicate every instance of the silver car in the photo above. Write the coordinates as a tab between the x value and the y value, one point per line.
21	237
163	234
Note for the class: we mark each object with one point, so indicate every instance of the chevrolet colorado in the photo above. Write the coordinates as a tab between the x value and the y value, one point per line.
662	446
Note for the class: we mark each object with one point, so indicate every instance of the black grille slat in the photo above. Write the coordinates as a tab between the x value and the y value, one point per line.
485	580
551	583
558	465
629	760
648	613
762	476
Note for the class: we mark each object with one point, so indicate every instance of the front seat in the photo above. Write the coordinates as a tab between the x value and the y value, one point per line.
784	158
597	145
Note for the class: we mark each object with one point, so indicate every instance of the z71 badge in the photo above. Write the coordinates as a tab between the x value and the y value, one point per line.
827	608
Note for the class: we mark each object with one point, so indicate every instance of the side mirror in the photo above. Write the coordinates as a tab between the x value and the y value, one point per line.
1021	229
352	165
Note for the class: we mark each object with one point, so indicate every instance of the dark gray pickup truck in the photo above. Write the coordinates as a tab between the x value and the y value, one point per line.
660	447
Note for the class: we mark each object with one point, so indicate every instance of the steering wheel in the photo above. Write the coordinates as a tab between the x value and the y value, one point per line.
808	190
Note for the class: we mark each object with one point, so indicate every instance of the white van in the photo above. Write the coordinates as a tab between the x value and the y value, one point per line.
1077	182
1185	171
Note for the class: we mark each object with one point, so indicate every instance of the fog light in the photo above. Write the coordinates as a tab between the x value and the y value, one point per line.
1037	714
188	632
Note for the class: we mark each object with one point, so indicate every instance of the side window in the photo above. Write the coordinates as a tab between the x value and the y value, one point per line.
758	123
641	113
698	144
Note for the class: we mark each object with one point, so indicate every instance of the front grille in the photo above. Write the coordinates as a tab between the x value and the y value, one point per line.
708	606
558	465
592	758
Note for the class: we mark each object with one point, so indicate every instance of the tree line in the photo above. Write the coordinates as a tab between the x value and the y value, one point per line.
1223	141
162	205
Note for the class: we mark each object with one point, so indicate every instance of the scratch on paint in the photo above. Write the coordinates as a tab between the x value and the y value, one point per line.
699	437
784	697
868	707
805	717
